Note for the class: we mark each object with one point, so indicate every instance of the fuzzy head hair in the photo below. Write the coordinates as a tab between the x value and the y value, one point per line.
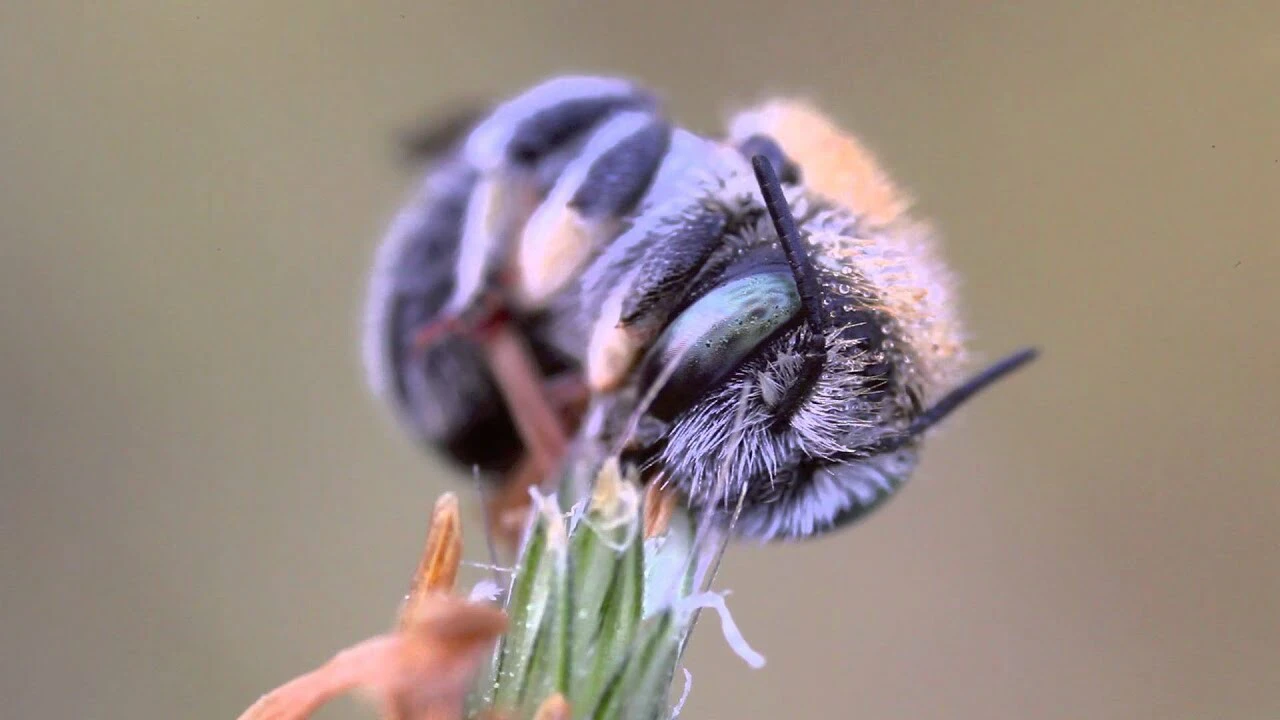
789	430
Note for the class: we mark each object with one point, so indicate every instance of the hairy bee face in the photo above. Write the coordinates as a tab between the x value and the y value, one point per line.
763	302
760	401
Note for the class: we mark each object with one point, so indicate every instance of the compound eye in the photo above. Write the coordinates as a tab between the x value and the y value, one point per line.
712	337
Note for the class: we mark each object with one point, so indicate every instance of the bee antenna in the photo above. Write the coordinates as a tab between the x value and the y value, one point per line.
784	222
806	277
949	402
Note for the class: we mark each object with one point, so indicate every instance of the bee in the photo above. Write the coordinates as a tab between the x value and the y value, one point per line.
770	331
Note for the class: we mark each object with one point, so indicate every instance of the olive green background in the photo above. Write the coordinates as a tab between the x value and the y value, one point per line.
200	499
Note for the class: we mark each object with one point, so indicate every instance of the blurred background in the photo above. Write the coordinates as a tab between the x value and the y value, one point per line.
200	499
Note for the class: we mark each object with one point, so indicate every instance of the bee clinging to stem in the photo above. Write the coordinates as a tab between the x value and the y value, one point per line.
760	313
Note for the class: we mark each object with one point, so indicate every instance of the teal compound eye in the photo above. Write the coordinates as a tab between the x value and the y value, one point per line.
717	333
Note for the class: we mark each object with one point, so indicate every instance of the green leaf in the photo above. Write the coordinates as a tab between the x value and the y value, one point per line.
549	670
531	592
612	624
638	688
595	611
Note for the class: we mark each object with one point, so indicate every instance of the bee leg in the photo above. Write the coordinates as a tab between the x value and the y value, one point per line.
594	192
444	263
519	149
568	394
671	266
617	178
542	413
633	306
640	277
540	427
440	391
545	117
520	383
